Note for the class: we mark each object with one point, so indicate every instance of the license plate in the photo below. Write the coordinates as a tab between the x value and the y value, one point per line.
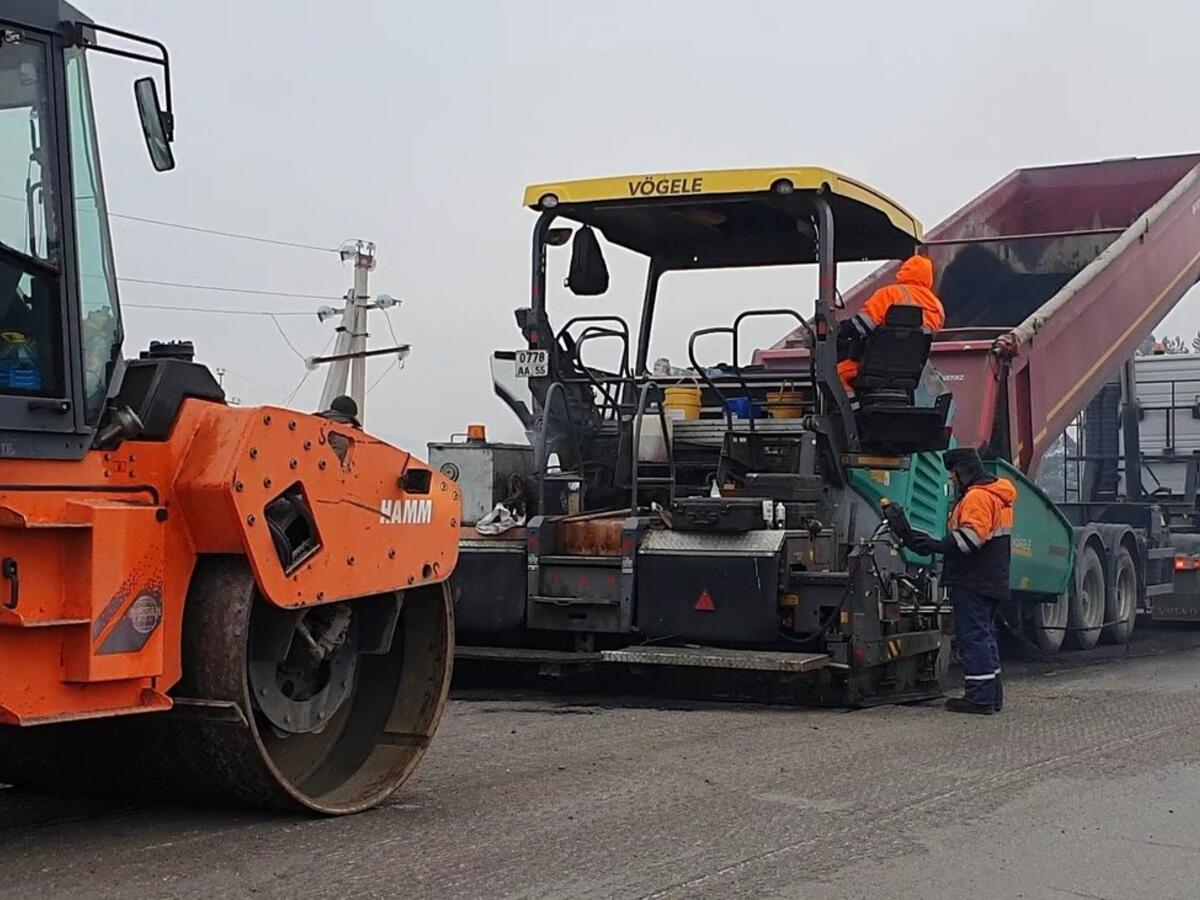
533	363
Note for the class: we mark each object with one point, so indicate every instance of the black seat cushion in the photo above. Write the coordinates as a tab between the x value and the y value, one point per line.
895	353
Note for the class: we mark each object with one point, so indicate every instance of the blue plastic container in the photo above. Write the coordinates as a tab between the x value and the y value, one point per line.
740	407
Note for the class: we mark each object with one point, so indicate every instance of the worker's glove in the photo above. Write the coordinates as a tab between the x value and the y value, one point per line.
921	544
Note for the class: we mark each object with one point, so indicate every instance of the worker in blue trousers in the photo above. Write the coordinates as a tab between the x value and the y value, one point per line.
976	550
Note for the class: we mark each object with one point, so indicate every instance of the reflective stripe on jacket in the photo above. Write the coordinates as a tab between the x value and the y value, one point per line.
913	287
980	526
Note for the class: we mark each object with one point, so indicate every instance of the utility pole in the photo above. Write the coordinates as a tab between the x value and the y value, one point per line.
348	361
363	264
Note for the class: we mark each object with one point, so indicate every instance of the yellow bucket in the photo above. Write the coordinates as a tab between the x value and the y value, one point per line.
682	400
785	404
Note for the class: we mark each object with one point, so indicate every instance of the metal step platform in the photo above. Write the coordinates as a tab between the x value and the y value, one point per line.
718	658
691	657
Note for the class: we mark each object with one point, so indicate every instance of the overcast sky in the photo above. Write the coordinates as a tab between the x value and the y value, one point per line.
417	126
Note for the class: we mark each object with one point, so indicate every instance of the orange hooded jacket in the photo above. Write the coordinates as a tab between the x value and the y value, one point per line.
979	531
984	512
913	285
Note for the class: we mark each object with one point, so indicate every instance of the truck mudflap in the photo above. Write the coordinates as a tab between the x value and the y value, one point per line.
1180	602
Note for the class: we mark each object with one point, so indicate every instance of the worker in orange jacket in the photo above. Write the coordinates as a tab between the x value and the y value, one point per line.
913	286
977	550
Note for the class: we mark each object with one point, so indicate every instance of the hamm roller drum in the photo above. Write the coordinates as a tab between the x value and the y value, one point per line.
348	745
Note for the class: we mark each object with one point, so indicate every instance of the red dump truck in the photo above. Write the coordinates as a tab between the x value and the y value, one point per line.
1051	280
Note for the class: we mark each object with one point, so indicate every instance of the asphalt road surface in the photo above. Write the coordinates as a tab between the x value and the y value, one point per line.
1088	785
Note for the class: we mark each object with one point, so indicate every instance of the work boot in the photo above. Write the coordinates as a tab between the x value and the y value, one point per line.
963	705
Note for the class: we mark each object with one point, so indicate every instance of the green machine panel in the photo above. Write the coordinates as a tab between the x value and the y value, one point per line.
920	490
1043	541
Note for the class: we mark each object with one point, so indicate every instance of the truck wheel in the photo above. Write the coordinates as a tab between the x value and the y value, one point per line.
1047	624
1120	609
1086	609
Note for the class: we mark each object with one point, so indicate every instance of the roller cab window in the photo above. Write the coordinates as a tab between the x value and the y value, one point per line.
31	351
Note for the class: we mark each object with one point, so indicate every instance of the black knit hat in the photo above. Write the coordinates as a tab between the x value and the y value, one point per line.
966	464
344	405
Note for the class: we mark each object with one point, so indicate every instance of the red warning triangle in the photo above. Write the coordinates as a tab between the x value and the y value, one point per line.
705	602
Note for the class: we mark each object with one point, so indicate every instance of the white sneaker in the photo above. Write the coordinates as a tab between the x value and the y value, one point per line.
498	521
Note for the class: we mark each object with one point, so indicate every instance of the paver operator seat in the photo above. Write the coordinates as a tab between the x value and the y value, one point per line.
893	359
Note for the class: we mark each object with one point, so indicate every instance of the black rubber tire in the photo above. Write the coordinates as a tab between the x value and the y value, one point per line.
1086	608
1120	608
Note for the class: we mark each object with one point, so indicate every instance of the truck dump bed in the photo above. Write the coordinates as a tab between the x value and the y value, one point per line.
1051	279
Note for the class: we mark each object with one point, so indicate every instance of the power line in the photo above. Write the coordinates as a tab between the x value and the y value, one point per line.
287	340
395	362
220	233
383	375
232	374
307	372
224	289
288	399
217	232
387	317
227	312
